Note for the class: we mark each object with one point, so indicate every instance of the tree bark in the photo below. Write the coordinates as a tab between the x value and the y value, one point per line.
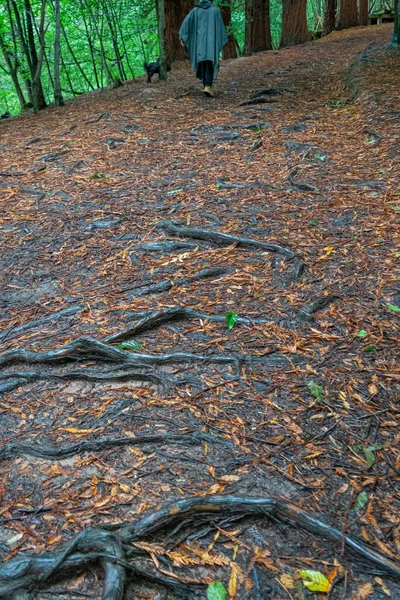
395	41
363	12
231	48
258	29
294	23
174	13
330	16
36	60
348	14
161	38
58	97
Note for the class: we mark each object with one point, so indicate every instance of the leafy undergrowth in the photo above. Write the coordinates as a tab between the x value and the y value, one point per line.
310	407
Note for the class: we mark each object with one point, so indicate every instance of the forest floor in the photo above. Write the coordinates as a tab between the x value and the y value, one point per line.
296	401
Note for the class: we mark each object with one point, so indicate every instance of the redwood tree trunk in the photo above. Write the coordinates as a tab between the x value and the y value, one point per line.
363	7
161	38
330	16
348	14
294	23
258	30
175	12
231	48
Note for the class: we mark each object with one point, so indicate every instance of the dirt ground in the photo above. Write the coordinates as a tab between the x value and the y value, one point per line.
299	399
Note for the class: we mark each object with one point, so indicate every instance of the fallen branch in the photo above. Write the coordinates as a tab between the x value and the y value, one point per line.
220	238
32	572
15	449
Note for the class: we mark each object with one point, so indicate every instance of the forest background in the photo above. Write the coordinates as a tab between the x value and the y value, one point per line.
52	50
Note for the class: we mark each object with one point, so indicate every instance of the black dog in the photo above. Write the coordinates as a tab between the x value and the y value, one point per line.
152	68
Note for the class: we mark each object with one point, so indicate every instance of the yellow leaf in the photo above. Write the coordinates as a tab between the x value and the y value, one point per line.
383	586
287	581
232	587
363	591
125	488
373	390
315	581
211	470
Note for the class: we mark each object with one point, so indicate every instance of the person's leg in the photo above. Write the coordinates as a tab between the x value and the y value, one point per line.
208	77
200	70
208	73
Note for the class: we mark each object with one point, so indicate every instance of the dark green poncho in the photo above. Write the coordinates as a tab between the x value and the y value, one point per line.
203	33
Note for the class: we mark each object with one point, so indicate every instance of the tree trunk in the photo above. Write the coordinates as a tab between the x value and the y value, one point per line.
161	38
58	98
330	16
396	31
348	14
258	30
363	9
231	48
174	13
39	102
294	23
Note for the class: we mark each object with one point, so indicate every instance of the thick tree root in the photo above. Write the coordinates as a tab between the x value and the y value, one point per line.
220	238
87	348
127	363
15	449
156	318
165	286
65	312
24	574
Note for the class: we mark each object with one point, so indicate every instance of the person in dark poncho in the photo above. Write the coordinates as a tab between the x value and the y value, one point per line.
204	35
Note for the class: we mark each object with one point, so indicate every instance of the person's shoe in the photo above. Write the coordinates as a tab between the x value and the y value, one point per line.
208	91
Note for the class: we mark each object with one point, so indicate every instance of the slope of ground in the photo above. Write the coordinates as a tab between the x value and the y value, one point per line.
297	400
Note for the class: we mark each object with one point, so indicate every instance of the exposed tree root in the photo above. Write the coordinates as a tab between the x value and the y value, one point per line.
165	246
308	311
164	286
25	574
65	312
48	452
300	185
87	348
220	238
156	318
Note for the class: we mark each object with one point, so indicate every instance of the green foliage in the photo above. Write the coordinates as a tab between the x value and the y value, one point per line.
362	333
361	502
393	308
316	390
131	345
216	591
231	319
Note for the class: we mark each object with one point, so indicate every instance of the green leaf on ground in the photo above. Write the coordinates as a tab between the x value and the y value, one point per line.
131	345
362	333
216	591
315	581
361	502
314	223
317	391
231	319
370	349
393	307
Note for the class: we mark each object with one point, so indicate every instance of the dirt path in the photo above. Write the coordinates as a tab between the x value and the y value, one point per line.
303	387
